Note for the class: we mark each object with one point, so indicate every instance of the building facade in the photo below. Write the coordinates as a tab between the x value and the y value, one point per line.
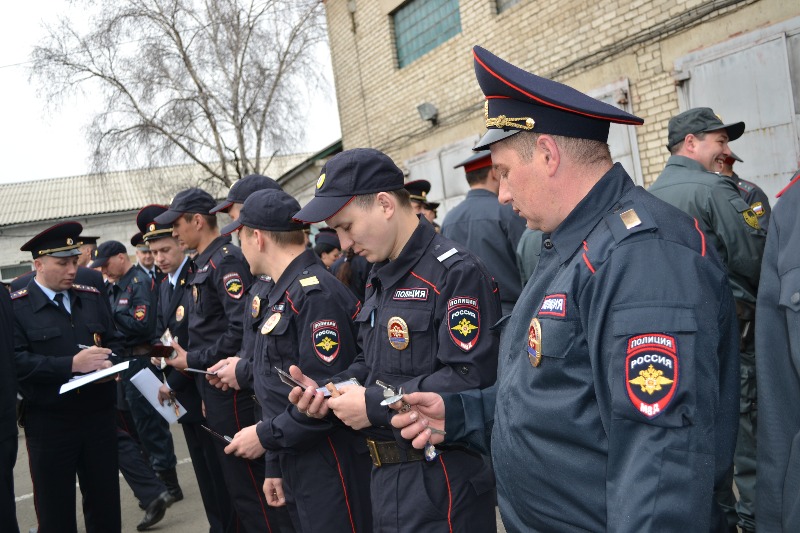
653	58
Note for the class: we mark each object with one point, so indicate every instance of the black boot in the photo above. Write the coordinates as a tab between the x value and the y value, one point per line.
170	479
155	511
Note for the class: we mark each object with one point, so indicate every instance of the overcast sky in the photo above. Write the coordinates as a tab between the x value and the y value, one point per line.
36	143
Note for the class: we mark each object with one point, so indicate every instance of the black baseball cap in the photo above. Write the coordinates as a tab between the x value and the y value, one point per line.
699	120
517	100
59	240
245	187
349	174
327	236
192	200
269	210
105	251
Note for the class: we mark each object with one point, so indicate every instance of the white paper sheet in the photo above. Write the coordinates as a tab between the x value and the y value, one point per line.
148	384
79	381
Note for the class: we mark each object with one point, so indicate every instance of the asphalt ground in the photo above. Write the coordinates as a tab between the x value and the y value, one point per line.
184	516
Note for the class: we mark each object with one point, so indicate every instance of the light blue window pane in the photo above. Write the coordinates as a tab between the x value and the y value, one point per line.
422	25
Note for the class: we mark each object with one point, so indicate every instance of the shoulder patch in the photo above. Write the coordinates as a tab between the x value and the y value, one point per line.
325	338
464	322
751	219
85	288
140	313
758	209
234	285
651	372
19	294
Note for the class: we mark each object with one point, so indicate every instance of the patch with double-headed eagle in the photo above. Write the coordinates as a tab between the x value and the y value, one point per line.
651	372
325	338
464	321
233	285
140	313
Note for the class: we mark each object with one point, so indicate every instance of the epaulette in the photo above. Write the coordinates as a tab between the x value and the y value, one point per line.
745	186
225	250
448	258
19	294
85	288
629	220
309	283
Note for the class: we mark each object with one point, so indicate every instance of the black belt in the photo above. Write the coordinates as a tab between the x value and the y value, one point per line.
388	452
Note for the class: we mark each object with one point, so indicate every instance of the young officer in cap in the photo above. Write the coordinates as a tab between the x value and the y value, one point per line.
237	372
698	142
318	469
327	247
173	303
615	406
488	228
217	284
418	193
778	343
87	249
424	326
72	433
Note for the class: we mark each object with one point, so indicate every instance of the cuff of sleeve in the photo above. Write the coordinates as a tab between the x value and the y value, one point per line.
244	374
377	414
262	430
193	360
454	421
272	467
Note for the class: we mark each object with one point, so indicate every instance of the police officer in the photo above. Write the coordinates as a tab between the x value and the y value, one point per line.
173	303
778	343
145	260
418	192
751	193
698	142
87	249
217	284
320	470
134	309
615	406
8	415
327	247
72	433
424	326
352	270
487	228
237	372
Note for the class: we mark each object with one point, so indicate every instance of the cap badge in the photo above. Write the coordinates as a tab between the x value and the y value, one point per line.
270	324
69	241
535	342
98	340
255	307
151	227
321	180
179	313
502	121
398	333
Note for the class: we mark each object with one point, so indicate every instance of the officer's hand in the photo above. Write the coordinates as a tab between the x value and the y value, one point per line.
90	359
273	490
165	394
226	373
214	380
108	364
427	411
246	444
351	407
179	361
309	402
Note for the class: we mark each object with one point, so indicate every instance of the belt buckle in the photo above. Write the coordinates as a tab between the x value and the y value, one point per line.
373	453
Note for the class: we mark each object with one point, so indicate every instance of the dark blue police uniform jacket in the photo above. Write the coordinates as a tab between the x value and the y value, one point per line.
778	348
254	310
308	321
491	231
631	415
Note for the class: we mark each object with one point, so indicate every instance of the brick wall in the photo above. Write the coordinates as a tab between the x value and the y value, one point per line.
586	44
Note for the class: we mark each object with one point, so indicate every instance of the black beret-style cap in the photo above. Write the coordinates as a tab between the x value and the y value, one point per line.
699	120
192	200
60	240
517	100
245	187
146	222
269	210
105	251
349	174
418	190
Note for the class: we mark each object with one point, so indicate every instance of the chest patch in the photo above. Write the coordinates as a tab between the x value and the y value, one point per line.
233	285
279	308
463	320
651	372
419	294
554	305
325	337
122	301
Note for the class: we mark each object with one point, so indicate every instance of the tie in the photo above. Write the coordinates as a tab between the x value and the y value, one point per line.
59	299
153	274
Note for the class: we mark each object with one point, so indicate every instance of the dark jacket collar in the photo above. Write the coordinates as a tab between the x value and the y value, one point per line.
571	233
203	259
295	269
390	272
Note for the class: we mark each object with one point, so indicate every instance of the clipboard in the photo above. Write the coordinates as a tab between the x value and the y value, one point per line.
80	381
148	384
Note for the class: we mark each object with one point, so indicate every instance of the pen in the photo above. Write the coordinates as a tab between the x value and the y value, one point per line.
84	347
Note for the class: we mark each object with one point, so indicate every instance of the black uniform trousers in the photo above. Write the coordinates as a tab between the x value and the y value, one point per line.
227	413
456	495
8	507
61	443
134	463
313	503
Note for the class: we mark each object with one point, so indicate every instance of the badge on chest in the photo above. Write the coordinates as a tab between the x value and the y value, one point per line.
398	333
270	323
535	342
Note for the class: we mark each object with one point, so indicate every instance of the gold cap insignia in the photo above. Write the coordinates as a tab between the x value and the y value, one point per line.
321	180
